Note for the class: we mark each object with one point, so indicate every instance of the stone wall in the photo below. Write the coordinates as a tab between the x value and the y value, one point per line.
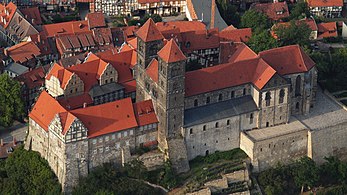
329	141
206	138
268	151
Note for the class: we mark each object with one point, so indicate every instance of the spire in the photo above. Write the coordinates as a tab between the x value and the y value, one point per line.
149	32
171	52
213	12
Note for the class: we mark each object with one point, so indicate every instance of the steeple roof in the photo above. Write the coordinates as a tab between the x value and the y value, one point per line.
171	52
149	32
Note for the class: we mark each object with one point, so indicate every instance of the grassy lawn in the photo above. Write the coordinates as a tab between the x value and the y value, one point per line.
204	169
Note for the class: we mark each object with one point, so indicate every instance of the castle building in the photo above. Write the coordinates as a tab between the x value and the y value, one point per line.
263	103
75	141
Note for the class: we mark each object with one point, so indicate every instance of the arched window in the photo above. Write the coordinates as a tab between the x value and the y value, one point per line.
196	103
217	125
190	131
204	128
282	93
244	91
268	98
298	86
297	106
208	100
232	94
228	122
220	97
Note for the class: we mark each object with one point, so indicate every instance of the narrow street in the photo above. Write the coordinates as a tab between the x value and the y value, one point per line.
17	131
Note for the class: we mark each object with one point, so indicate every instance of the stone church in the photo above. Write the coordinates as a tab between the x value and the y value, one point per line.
204	111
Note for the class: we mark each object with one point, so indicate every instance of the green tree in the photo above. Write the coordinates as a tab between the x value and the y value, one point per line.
299	10
11	103
169	179
295	33
136	169
262	41
228	12
255	20
27	173
306	173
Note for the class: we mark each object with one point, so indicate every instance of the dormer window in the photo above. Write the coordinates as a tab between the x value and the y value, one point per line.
188	44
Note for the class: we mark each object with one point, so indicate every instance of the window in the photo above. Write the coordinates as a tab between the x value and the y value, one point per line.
106	138
282	93
204	128
244	91
251	118
113	136
220	97
297	106
119	135
125	133
268	98
127	143
111	80
94	141
196	103
100	140
131	132
217	125
208	100
298	86
232	94
228	122
117	145
267	124
190	131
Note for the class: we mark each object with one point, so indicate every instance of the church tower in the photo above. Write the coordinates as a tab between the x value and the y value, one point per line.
149	42
170	105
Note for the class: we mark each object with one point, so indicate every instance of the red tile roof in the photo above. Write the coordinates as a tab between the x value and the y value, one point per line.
130	86
234	52
62	74
271	9
203	39
145	113
171	52
65	28
41	41
149	32
66	119
133	43
324	3
152	70
23	51
75	102
33	78
95	19
32	14
236	35
327	29
255	71
107	118
311	23
43	114
121	62
153	1
7	12
99	120
182	26
288	60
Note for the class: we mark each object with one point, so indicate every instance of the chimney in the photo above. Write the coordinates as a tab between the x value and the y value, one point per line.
84	105
1	142
33	21
213	11
14	141
39	38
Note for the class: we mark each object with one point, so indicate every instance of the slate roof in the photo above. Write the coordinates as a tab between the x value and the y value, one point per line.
203	7
98	90
220	110
16	68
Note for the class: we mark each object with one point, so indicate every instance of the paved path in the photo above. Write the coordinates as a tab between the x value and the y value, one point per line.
17	131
